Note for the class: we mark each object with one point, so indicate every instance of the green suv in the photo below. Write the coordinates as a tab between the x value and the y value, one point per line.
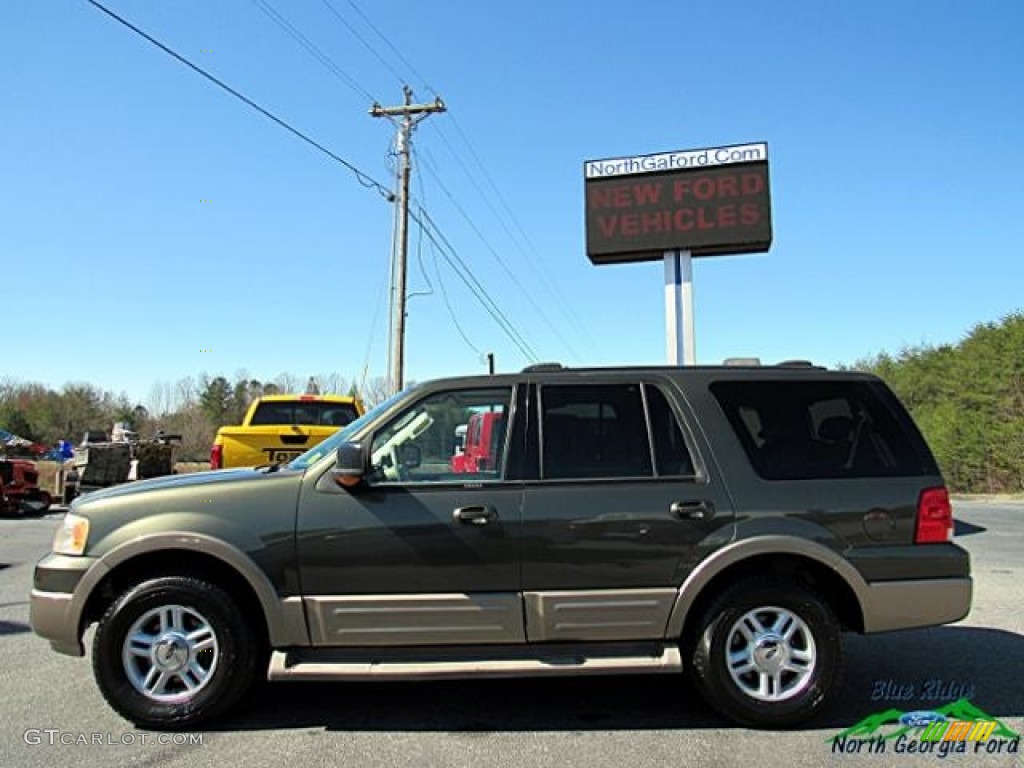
727	523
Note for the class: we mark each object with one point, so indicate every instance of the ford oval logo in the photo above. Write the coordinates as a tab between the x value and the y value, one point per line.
921	718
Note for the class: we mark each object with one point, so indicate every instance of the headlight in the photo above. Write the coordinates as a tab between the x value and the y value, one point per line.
72	535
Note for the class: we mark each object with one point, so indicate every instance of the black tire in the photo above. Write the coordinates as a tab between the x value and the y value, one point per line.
38	503
802	693
44	500
230	669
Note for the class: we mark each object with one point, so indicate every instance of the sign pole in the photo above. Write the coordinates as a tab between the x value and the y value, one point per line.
681	344
689	330
673	306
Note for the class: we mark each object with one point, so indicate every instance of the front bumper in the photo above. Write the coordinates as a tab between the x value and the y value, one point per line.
55	605
892	605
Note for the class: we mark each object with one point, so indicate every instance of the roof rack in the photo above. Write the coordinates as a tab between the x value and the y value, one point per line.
797	364
755	362
538	367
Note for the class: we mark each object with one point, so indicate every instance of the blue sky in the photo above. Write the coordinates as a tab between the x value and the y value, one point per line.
156	228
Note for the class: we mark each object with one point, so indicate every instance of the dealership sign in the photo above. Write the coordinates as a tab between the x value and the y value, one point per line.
705	201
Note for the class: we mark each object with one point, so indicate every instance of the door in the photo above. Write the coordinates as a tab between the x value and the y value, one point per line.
425	551
620	510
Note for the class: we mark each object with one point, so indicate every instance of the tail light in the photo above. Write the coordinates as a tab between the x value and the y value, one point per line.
217	457
934	517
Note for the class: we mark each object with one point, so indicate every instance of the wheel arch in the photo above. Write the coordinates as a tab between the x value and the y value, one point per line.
831	576
280	621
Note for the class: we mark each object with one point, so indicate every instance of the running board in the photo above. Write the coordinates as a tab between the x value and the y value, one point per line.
307	664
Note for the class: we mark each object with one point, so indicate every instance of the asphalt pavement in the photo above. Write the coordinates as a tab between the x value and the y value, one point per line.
51	713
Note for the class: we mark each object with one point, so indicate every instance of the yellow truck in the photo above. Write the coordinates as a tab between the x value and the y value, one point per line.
277	428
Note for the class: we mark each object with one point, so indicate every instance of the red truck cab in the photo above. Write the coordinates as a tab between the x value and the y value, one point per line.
480	451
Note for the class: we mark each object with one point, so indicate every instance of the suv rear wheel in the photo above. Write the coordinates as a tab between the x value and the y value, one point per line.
172	652
766	654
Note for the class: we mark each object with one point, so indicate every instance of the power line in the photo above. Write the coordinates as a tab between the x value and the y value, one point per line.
464	273
447	302
306	43
363	178
476	185
521	241
365	42
381	293
501	262
419	249
437	271
396	51
561	301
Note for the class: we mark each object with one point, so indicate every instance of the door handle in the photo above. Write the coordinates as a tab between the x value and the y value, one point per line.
693	510
475	515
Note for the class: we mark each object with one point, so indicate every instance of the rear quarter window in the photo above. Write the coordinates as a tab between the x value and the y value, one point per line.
802	430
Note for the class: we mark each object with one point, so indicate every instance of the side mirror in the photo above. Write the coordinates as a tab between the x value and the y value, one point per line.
351	465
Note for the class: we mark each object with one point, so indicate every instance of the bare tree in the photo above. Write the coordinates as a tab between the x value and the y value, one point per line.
159	401
196	432
333	383
375	391
185	390
288	384
8	386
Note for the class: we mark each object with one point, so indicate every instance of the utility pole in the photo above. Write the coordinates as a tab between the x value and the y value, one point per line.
405	118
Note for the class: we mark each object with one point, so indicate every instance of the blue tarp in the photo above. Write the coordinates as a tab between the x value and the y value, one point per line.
62	452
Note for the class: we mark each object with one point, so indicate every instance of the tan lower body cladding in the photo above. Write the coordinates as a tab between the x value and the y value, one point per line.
462	619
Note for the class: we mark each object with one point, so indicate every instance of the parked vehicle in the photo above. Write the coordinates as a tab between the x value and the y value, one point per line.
729	523
480	449
19	488
103	459
95	437
277	428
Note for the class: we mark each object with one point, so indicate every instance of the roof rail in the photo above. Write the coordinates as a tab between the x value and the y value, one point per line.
742	362
797	364
538	367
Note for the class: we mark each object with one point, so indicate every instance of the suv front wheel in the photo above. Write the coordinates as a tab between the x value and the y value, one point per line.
766	653
173	652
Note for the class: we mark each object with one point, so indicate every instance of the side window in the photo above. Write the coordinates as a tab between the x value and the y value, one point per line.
671	455
797	430
424	443
596	430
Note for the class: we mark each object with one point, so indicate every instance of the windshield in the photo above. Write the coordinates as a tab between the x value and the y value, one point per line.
330	445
